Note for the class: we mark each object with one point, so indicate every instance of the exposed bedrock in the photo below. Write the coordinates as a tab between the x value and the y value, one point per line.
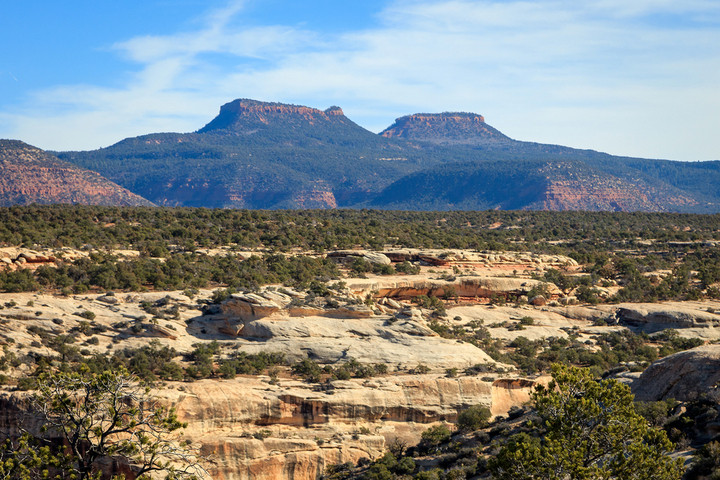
683	376
652	317
249	428
471	286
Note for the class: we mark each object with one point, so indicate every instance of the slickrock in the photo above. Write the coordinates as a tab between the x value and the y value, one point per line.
333	334
467	286
656	317
682	376
370	256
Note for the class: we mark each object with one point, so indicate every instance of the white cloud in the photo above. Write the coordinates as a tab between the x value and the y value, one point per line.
636	78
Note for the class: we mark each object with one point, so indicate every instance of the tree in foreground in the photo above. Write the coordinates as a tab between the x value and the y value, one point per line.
92	419
588	429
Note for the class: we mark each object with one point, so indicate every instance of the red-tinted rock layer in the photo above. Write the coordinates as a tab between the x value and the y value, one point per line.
30	175
569	190
238	112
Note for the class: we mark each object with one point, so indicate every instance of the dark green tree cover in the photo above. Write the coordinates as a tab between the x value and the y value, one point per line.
253	163
585	234
615	246
176	272
473	418
484	184
533	356
266	163
587	429
311	371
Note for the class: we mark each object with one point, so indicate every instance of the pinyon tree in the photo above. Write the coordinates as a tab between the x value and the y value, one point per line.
90	419
588	429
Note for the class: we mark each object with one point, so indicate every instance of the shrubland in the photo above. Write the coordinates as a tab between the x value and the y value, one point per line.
623	257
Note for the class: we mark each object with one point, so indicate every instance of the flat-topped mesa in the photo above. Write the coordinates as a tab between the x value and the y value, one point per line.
445	128
238	113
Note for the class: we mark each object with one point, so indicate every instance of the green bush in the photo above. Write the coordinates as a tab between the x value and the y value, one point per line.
434	437
308	369
473	418
86	314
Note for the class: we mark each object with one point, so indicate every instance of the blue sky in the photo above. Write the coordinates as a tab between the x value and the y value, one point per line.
639	78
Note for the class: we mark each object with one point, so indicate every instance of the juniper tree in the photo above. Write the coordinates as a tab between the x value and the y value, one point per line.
588	429
89	419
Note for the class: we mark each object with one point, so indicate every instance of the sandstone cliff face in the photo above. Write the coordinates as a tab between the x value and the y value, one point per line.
240	113
606	193
445	128
30	175
317	196
479	288
252	429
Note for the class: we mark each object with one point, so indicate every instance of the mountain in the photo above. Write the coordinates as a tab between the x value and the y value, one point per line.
531	185
445	129
258	155
272	155
30	175
510	174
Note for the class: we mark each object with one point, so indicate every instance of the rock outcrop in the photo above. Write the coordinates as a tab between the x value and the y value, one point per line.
239	114
398	337
445	128
482	289
683	376
652	317
317	196
30	175
13	258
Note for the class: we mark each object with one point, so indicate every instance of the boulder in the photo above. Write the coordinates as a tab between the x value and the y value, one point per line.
249	306
682	376
652	317
109	299
377	258
538	301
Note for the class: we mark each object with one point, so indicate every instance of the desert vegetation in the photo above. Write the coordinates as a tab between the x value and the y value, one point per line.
305	306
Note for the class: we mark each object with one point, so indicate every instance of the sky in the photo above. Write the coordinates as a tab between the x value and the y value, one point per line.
637	78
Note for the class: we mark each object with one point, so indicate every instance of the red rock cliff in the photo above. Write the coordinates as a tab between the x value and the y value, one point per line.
30	175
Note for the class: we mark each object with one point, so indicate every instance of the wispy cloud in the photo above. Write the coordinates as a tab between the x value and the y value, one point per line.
633	78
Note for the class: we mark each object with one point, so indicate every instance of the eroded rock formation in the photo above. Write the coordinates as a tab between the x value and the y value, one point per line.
445	128
30	175
683	376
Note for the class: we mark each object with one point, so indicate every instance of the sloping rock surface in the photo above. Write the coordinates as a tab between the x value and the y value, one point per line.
682	376
30	175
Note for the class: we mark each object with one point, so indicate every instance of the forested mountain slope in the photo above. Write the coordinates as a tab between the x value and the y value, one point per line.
272	155
30	175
